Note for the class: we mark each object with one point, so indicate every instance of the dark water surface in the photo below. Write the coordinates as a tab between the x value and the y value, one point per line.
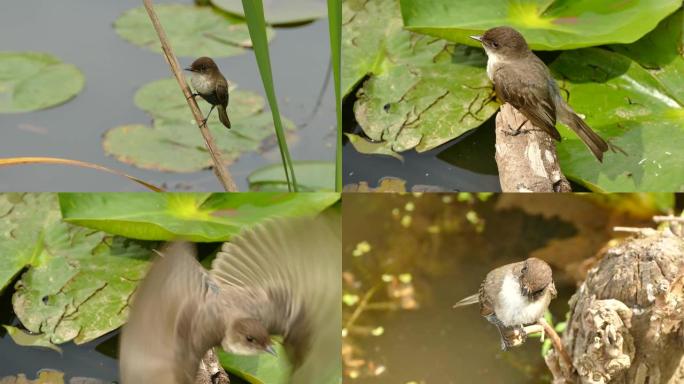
81	32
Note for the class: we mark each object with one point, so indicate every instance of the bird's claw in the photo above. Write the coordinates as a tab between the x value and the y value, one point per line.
192	96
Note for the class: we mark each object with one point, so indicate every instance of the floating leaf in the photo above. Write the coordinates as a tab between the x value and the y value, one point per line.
30	340
79	282
280	11
546	25
372	148
174	144
315	176
44	377
422	92
192	31
32	80
260	369
632	108
199	217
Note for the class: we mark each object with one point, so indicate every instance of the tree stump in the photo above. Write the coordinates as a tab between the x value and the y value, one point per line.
626	319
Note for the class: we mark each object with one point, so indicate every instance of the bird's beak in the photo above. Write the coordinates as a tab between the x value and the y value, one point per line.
476	37
271	350
188	69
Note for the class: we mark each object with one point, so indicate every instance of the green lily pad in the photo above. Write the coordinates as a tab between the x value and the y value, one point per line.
421	91
631	107
371	148
311	176
546	24
661	52
280	11
192	31
32	80
174	142
44	377
259	369
30	340
22	230
79	282
198	217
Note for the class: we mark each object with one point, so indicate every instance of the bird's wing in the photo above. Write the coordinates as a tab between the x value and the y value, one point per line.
173	321
486	306
529	93
290	268
222	91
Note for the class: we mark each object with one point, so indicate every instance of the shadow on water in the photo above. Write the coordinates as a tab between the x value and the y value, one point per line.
447	257
115	69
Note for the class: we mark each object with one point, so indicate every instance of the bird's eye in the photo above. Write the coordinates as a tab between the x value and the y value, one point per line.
495	44
250	339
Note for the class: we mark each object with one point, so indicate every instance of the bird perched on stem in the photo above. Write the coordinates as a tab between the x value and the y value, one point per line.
209	83
280	277
514	295
521	79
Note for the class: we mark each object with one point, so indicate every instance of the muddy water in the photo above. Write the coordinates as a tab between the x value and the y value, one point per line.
435	343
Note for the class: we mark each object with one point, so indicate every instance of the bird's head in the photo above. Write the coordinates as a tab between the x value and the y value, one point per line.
504	42
536	278
248	337
202	65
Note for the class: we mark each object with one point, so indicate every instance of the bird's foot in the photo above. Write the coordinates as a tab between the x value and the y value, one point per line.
204	122
515	132
192	96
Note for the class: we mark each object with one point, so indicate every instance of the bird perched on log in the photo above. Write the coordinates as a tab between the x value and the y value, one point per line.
521	79
280	277
514	295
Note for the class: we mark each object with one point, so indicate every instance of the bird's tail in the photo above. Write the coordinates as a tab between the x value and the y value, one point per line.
591	139
472	299
223	116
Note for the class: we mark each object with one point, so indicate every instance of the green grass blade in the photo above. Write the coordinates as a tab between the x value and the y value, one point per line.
254	14
335	26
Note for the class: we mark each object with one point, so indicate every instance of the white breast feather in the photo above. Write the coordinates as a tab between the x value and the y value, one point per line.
513	308
201	83
493	60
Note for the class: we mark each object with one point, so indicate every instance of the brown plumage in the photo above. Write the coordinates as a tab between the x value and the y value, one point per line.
209	83
521	79
280	277
514	295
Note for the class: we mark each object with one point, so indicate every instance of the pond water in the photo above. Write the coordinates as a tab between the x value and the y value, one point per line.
81	33
435	343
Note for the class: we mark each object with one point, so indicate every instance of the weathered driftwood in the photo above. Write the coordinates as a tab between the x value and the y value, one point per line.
526	156
627	319
211	371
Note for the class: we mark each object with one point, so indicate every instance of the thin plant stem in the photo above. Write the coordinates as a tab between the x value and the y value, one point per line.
77	163
335	26
221	172
254	14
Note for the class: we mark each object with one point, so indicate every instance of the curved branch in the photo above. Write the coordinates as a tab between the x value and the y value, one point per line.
221	172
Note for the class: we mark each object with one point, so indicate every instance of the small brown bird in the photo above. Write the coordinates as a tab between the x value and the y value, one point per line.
211	85
280	277
521	79
514	295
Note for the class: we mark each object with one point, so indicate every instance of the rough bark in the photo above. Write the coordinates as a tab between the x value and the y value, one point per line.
526	157
211	371
626	319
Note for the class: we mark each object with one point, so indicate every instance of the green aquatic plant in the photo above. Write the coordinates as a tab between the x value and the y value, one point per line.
254	14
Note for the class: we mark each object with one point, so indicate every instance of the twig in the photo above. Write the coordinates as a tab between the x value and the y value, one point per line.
221	172
642	231
361	307
556	341
660	219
